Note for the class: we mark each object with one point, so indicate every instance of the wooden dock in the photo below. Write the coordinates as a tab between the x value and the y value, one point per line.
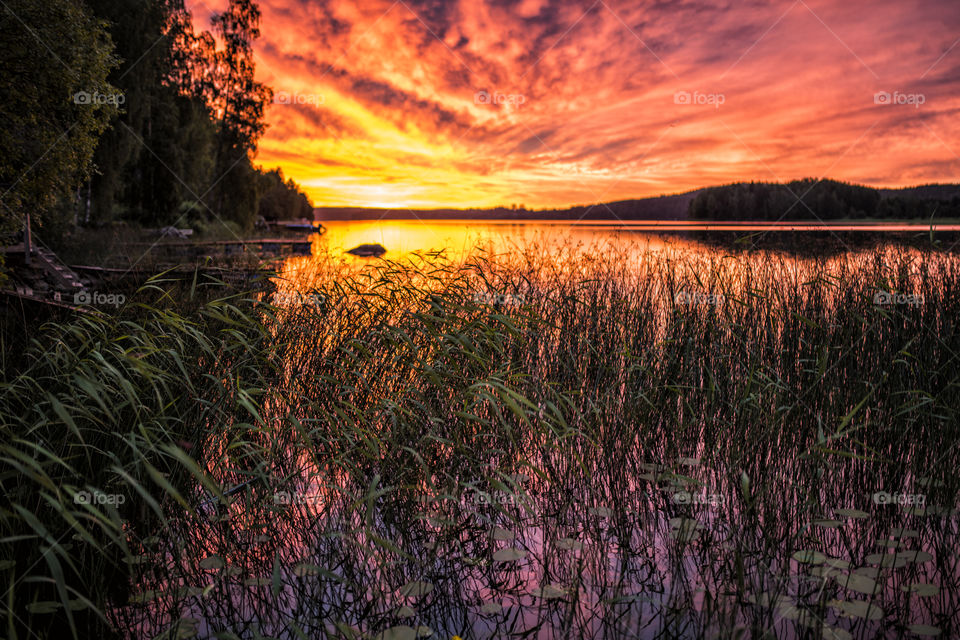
264	247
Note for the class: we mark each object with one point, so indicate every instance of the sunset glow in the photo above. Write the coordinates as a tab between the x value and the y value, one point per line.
427	103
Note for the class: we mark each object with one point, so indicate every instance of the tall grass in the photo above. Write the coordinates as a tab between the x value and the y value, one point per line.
353	464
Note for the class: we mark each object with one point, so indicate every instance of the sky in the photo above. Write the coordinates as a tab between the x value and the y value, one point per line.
552	103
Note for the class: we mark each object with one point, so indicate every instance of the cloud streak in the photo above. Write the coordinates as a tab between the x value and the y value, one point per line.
602	100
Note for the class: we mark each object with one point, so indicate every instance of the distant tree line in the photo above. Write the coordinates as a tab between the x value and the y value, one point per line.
809	199
120	110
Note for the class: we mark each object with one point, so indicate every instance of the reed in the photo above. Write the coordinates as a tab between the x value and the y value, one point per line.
591	447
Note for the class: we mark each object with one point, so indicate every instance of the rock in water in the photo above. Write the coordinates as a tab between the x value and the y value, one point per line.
368	250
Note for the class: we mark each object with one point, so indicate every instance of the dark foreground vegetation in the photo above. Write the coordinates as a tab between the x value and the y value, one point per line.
118	111
695	445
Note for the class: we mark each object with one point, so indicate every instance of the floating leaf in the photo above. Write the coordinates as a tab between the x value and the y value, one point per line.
857	609
499	533
689	462
837	563
549	592
888	560
809	556
258	582
405	612
416	589
827	523
306	569
851	513
860	584
914	555
424	632
212	562
44	606
569	544
603	512
491	608
923	630
922	589
510	554
834	633
400	632
903	532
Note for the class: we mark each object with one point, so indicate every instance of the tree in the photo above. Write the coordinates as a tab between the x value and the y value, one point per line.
55	101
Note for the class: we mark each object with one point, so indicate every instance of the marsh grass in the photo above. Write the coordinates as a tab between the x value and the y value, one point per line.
588	458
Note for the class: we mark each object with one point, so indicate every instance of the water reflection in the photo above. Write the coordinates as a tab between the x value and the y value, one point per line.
604	459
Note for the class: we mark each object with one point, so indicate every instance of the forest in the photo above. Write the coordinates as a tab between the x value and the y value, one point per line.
811	199
120	111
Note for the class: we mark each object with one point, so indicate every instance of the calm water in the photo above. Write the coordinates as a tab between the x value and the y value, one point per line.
457	237
687	512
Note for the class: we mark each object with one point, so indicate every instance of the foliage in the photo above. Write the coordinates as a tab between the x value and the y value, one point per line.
811	199
55	100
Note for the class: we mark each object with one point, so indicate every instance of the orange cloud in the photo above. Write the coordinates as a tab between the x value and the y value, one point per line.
420	103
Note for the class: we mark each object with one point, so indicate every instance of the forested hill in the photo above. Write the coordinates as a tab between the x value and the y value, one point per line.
823	200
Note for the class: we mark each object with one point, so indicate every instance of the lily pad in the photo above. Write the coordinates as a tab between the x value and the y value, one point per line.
827	523
510	554
399	632
915	555
305	569
405	612
569	544
860	584
499	533
809	556
924	630
603	512
212	562
44	606
922	589
888	560
549	592
837	563
491	608
851	513
416	589
261	581
857	609
903	532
